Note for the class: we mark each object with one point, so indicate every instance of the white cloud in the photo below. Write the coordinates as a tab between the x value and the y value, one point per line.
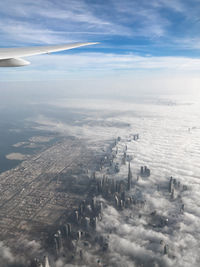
48	22
110	68
108	62
6	255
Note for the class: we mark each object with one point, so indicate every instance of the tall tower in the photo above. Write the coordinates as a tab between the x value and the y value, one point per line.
171	185
58	242
129	176
67	230
165	249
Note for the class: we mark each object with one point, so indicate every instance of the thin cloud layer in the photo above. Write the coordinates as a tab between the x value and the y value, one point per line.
50	21
92	66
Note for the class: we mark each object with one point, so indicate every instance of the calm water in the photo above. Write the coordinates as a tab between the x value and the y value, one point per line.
18	123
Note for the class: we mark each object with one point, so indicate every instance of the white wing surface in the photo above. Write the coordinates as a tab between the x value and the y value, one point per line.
11	57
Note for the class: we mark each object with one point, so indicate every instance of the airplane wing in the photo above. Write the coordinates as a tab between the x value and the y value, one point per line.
11	57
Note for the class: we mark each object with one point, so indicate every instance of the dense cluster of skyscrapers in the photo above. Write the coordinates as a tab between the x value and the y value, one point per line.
144	171
82	222
38	263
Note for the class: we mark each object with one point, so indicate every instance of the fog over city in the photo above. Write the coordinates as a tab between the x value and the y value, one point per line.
100	145
168	127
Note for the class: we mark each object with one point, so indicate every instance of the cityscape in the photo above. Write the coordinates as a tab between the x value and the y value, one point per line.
58	197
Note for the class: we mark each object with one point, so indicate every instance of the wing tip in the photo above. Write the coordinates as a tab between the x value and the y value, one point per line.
91	43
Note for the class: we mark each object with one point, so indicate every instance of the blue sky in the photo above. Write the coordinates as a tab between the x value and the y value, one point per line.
137	37
157	27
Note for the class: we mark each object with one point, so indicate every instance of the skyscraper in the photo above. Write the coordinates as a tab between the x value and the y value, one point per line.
129	177
46	262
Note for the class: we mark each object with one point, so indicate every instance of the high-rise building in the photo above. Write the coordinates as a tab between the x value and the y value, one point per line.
116	201
123	196
93	203
81	254
121	203
173	194
87	223
46	261
182	208
78	235
144	171
35	263
165	249
129	177
76	215
171	185
67	230
58	242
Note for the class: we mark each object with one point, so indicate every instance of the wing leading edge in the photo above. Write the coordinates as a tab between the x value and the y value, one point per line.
11	57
